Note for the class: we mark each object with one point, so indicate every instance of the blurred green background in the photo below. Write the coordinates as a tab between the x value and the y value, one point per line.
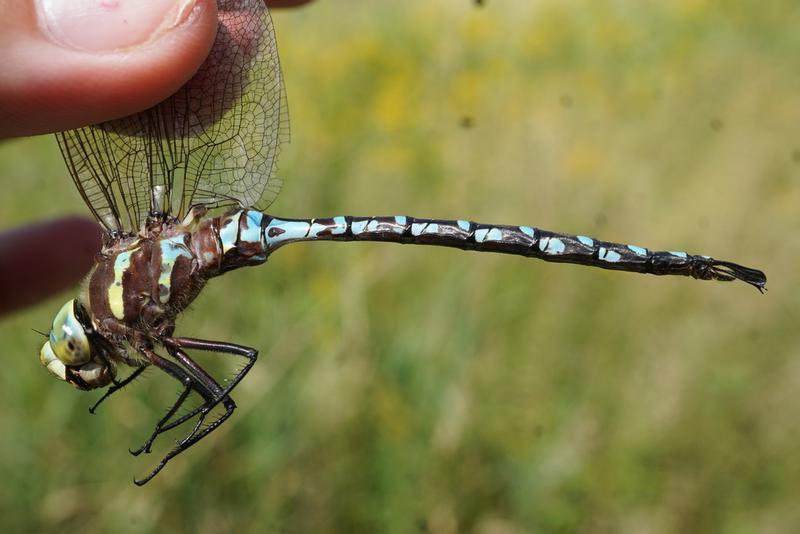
404	389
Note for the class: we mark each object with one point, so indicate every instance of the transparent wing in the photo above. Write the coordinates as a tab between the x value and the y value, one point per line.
215	142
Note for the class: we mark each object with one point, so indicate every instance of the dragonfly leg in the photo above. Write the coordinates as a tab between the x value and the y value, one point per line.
211	392
204	384
165	425
213	346
190	384
116	387
162	425
219	395
193	438
200	381
174	346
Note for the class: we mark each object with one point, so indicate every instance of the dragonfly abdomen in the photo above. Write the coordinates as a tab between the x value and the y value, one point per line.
518	240
247	237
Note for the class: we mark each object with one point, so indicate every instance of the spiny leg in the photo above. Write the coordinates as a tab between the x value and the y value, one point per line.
174	345
214	390
189	383
211	398
204	409
116	387
185	444
161	425
211	391
221	347
189	366
216	393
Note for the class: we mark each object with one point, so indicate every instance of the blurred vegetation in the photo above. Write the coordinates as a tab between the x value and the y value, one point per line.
415	389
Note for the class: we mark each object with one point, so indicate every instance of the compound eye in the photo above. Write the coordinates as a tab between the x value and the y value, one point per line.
68	339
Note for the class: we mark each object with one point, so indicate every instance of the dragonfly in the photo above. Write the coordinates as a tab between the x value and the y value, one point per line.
181	190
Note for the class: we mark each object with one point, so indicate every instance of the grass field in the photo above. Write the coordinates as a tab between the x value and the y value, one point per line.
405	389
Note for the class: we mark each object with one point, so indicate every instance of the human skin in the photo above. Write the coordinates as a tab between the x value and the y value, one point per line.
55	74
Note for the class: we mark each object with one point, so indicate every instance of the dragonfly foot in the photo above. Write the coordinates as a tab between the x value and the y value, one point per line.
142	481
197	433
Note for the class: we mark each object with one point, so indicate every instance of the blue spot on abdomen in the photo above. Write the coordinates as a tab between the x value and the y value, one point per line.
638	250
610	256
552	245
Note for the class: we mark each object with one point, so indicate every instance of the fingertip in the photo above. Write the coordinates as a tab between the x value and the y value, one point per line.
44	258
80	234
47	85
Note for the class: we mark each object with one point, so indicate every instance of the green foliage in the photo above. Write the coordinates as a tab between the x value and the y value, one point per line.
405	389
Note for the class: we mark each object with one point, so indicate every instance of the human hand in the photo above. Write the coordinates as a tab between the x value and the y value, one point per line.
69	63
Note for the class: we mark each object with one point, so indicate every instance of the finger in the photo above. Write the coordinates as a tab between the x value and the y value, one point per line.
68	63
39	260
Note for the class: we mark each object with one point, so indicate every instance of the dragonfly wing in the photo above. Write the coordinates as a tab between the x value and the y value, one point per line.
215	142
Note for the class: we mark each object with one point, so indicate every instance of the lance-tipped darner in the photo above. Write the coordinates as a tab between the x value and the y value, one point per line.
181	190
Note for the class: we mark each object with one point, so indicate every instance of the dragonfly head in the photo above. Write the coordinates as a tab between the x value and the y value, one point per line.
72	354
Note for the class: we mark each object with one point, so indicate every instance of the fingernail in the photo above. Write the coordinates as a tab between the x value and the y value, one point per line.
106	25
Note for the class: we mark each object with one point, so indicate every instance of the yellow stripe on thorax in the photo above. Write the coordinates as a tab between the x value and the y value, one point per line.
115	292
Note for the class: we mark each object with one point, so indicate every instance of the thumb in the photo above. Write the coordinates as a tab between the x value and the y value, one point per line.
68	63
